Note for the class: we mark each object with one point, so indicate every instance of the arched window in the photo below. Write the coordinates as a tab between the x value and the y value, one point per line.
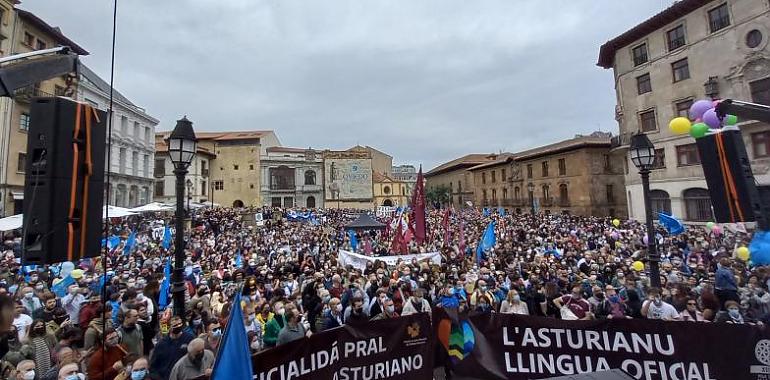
563	193
310	177
505	193
697	205
310	203
516	192
660	201
546	192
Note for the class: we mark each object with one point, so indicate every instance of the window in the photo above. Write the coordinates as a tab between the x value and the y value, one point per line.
502	175
483	178
647	121
493	176
310	203
24	122
562	166
546	192
386	190
640	54
59	90
660	159
124	125
687	155
753	38
29	39
681	70
310	177
719	18
146	133
21	164
529	170
697	205
610	192
40	45
135	163
136	130
682	108
288	202
484	194
563	193
235	167
505	193
220	185
122	161
760	91
275	201
494	194
545	168
251	166
660	202
516	193
203	188
676	38
760	141
160	167
643	84
145	165
159	188
251	186
607	163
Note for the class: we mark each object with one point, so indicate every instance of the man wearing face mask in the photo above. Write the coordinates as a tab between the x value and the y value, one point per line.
213	335
274	325
389	310
332	317
416	304
655	308
170	349
106	362
25	370
30	300
293	329
198	362
355	313
131	336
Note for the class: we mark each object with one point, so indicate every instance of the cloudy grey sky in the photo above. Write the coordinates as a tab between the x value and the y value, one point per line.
423	80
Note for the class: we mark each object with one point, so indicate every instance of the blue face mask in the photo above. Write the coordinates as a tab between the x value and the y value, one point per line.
138	374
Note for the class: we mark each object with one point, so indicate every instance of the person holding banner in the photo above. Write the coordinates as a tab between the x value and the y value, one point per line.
655	308
293	329
573	306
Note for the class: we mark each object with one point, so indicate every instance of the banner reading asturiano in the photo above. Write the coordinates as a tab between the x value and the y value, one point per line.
505	346
399	348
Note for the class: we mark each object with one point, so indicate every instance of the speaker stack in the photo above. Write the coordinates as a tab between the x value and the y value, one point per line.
64	184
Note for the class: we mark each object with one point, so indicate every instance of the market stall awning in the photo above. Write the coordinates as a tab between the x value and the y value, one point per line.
365	222
116	212
152	207
11	223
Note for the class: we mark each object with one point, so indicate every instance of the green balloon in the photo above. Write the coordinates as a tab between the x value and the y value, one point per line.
699	130
731	120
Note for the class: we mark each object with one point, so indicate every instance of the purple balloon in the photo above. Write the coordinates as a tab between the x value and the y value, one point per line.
700	107
711	119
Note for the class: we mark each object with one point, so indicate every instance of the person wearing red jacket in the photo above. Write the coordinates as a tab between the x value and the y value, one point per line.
107	360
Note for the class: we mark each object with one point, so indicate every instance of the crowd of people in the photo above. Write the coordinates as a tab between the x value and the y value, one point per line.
115	324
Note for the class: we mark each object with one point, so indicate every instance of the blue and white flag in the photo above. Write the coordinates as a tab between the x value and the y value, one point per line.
488	240
353	240
501	211
60	288
130	243
672	225
166	238
165	286
238	259
234	357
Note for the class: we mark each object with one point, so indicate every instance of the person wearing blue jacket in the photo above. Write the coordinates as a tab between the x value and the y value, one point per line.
169	349
725	287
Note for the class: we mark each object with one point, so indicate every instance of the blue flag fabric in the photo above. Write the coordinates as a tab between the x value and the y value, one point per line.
130	243
555	252
485	212
60	289
111	242
501	211
234	357
165	286
239	259
673	225
166	238
353	240
487	241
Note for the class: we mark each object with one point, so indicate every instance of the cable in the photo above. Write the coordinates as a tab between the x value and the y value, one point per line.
109	167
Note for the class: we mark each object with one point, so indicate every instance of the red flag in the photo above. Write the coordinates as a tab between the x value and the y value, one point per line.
446	227
462	240
398	245
418	208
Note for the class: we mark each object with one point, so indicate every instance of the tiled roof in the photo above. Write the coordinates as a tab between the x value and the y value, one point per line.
162	147
56	33
286	149
464	161
566	145
222	136
501	159
101	84
667	16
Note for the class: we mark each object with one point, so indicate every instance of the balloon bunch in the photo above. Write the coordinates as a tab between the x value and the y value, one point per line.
714	228
703	116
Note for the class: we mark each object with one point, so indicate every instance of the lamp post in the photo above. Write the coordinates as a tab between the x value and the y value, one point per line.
182	145
531	188
643	156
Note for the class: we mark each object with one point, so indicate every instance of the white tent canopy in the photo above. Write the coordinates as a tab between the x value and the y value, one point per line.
152	207
11	223
116	212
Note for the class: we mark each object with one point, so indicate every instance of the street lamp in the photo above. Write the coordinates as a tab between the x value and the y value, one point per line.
643	156
182	145
531	188
189	193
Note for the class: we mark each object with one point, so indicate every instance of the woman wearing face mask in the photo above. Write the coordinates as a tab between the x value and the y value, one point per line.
42	345
138	369
513	305
733	314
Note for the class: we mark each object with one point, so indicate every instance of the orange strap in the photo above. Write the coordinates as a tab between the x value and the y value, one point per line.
730	188
73	185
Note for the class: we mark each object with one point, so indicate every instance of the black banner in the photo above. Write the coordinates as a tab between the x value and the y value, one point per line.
504	346
400	348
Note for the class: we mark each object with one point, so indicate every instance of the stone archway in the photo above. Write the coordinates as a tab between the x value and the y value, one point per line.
387	203
238	203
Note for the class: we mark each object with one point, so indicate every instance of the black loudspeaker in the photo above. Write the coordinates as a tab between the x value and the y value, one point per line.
614	374
64	184
726	166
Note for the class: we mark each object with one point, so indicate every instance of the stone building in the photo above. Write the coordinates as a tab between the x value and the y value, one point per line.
201	188
492	183
405	173
229	170
22	32
455	176
692	50
292	177
381	162
133	142
390	191
348	179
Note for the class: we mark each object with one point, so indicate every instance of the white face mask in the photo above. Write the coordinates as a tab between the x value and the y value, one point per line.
30	375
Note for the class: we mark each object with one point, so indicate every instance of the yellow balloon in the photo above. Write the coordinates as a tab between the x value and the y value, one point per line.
680	125
743	253
615	222
638	266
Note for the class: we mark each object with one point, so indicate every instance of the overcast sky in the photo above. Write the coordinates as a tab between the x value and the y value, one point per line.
423	80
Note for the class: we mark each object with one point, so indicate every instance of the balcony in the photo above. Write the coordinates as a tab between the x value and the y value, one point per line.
513	202
25	94
279	188
159	173
205	173
547	202
564	202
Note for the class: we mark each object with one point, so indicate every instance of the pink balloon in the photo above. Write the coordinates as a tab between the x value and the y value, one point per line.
716	230
646	240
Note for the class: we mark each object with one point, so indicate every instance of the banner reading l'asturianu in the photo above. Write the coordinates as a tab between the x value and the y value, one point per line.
399	348
515	347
